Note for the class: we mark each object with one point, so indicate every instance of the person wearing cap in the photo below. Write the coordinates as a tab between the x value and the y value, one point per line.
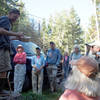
19	69
66	64
75	55
38	63
53	60
94	48
84	81
95	51
5	33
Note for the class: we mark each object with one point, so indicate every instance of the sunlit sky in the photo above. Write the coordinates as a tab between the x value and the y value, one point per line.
45	8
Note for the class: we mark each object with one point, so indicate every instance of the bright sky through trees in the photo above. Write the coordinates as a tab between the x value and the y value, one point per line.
45	8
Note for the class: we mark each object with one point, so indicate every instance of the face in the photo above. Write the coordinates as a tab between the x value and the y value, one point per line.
52	46
76	50
20	50
13	17
95	49
66	53
38	51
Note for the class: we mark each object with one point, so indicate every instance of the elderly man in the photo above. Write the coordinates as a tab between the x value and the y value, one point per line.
84	81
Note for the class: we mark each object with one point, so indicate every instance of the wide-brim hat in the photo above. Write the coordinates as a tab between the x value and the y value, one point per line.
20	46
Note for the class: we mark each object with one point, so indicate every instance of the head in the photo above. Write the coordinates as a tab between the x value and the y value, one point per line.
95	49
20	49
38	51
66	54
13	15
52	45
84	77
76	48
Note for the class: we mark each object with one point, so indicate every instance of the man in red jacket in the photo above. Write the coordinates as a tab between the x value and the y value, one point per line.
20	69
83	82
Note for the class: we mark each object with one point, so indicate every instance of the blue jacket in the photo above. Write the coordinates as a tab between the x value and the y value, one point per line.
38	62
53	56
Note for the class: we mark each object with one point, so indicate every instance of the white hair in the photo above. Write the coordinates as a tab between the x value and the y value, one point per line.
78	81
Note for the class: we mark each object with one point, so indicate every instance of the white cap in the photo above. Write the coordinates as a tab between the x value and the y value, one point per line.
95	43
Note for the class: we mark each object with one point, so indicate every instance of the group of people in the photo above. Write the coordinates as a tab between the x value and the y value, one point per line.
83	82
81	73
38	63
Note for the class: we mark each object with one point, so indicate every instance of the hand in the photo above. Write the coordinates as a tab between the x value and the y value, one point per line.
20	34
72	62
37	71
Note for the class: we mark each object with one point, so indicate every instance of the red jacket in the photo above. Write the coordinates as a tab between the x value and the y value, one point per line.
75	95
20	58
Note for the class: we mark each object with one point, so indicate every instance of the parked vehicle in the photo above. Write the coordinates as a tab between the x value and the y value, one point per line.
29	48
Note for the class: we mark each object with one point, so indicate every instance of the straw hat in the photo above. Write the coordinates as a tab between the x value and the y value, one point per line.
19	46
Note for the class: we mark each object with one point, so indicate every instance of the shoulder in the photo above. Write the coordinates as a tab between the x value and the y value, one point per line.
24	53
4	18
57	49
34	56
49	50
42	55
69	95
16	54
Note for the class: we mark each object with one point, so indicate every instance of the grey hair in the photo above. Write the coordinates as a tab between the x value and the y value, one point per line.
78	81
77	46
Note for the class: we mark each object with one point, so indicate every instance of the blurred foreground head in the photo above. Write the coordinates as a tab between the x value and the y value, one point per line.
85	77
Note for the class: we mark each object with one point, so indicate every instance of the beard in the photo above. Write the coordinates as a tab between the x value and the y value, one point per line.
78	81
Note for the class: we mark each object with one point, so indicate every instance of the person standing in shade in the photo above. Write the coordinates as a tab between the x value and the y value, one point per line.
38	63
53	60
5	33
20	69
66	64
76	54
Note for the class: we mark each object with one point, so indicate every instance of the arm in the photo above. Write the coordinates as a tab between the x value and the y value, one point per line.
24	58
46	61
9	33
59	58
15	60
33	63
14	38
43	61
